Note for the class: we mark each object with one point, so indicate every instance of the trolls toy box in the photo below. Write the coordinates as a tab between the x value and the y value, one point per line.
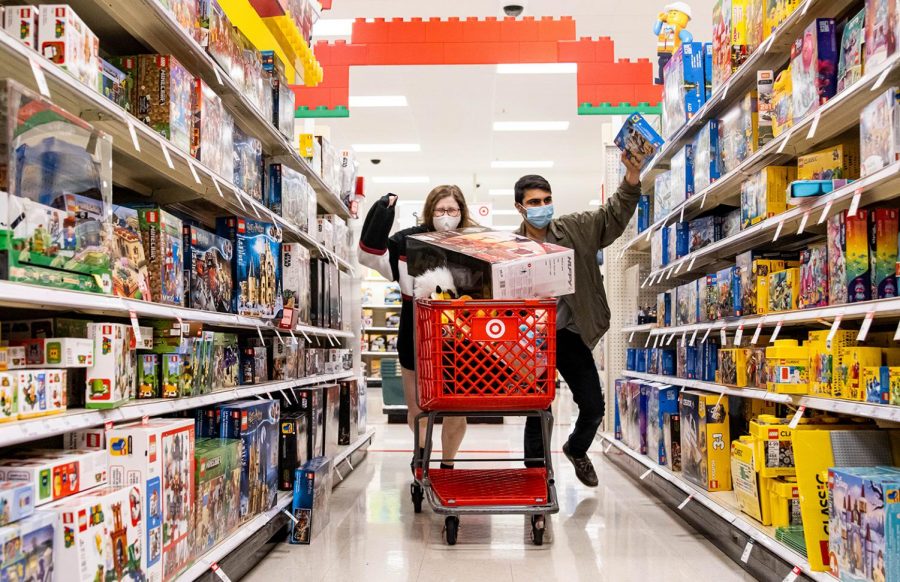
101	535
683	87
662	401
257	265
158	456
56	473
255	423
217	478
161	234
494	265
814	67
110	381
879	132
16	501
130	277
208	276
28	549
312	491
638	138
705	440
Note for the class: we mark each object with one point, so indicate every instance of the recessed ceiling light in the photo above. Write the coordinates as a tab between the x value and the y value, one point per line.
333	27
378	101
537	69
501	192
401	179
521	165
505	212
365	148
531	125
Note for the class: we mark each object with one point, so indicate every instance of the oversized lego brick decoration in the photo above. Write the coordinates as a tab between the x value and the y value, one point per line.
605	85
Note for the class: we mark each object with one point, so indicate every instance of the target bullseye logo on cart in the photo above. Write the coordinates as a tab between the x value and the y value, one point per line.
494	329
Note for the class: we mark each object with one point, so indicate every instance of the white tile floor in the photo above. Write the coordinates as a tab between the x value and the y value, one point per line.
613	533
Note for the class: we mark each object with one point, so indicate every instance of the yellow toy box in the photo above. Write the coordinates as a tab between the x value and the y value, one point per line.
763	268
834	163
784	290
705	457
822	359
777	12
750	490
878	383
848	374
782	103
784	501
764	194
788	364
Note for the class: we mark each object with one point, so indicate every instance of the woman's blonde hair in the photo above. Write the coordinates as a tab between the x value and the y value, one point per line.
438	194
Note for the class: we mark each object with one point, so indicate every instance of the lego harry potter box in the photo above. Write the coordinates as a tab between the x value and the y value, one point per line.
208	270
257	265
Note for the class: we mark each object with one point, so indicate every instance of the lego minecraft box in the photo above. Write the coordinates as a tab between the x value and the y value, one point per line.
257	265
161	234
208	276
217	481
130	277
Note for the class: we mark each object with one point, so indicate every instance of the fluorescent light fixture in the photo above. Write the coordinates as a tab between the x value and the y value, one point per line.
333	27
365	148
501	192
531	125
378	101
537	69
505	212
512	165
594	203
401	180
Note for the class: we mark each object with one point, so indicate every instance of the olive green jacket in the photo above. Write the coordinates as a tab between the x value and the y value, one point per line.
586	233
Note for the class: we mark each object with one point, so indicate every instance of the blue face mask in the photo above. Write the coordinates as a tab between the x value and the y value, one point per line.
539	216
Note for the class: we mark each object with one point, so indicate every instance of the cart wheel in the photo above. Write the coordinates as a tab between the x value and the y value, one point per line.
415	491
451	524
537	529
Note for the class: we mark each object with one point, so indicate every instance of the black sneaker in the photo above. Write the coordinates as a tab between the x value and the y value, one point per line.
584	468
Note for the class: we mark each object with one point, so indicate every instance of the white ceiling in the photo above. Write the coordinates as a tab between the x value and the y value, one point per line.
452	108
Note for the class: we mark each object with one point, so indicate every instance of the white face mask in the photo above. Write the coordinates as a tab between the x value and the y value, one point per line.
445	223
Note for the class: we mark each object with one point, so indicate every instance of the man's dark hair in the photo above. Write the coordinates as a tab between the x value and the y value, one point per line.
531	182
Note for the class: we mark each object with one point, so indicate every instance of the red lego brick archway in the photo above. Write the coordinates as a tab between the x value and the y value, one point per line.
605	85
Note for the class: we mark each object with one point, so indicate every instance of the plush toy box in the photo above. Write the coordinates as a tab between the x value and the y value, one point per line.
312	492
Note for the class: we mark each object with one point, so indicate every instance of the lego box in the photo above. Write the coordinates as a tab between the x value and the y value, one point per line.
56	474
729	46
706	156
683	86
850	63
162	237
840	162
814	67
739	132
784	290
28	548
349	412
879	132
130	276
295	280
164	98
257	265
638	138
312	404
312	492
293	449
883	231
764	194
880	32
21	22
16	501
814	276
856	249
212	137
705	457
662	401
208	276
218	491
110	381
40	392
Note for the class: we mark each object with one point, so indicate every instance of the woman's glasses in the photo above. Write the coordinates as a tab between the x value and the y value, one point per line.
454	212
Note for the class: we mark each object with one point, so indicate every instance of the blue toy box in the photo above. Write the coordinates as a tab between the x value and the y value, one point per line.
708	69
617	422
706	156
630	359
728	290
684	86
208	271
682	238
257	265
637	137
312	492
661	400
682	177
643	213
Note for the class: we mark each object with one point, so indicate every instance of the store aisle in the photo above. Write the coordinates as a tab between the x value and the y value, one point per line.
614	533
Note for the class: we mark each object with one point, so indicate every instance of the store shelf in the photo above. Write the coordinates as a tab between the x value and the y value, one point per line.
381	330
17	432
862	409
643	328
381	354
674	489
772	54
398	306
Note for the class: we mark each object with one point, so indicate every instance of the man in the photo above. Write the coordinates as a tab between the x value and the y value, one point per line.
582	318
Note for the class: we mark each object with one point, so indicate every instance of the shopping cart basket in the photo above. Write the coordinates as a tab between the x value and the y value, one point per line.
485	358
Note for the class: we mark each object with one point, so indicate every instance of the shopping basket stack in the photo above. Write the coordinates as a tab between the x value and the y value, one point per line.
486	358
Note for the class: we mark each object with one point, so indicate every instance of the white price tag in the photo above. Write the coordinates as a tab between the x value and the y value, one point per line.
691	265
834	328
219	572
725	91
656	341
738	335
145	420
681	218
671	337
193	171
134	137
756	333
745	557
825	211
703	200
797	416
784	142
647	343
768	44
218	75
278	335
290	515
854	204
259	332
38	71
647	280
693	338
293	337
680	267
815	125
706	335
631	337
723	336
881	79
684	338
805	7
649	233
646	474
792	575
609	446
803	222
897	334
864	328
775	332
778	230
686	501
167	155
135	327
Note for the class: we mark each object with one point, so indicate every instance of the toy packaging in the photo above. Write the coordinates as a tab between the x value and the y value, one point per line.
643	213
686	299
880	32
788	363
784	497
158	456
851	361
28	548
814	67
58	352
100	535
754	11
683	87
282	95
110	381
248	164
21	22
662	195
764	194
114	84
312	403
750	490
672	440
638	138
295	272
704	440
765	90
879	132
730	369
257	265
837	262
704	232
130	277
40	392
226	359
16	501
883	231
164	92
835	163
633	416
56	474
293	447
876	383
850	59
171	375
728	286
256	424
349	412
92	439
730	48
254	366
682	175
661	401
813	276
708	69
706	156
66	41
287	195
856	249
217	480
312	491
148	376
332	394
823	360
747	274
212	138
782	102
738	132
128	66
208	279
9	396
162	235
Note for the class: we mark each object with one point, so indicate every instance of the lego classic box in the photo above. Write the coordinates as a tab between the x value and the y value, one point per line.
494	265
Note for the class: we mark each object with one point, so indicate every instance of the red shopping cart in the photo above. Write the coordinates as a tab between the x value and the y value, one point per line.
485	358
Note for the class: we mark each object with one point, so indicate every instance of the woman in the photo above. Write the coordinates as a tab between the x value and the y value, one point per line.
445	209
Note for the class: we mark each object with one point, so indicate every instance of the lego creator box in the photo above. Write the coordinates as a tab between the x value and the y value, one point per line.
312	403
856	248
349	412
159	457
814	282
39	392
28	549
217	478
764	194
17	500
295	273
638	138
164	91
257	265
738	132
682	175
21	22
101	535
705	438
162	237
110	381
495	265
130	276
256	425
706	156
662	401
879	132
683	87
835	163
208	277
883	230
880	32
729	31
823	359
814	67
293	447
312	492
212	133
863	523
56	474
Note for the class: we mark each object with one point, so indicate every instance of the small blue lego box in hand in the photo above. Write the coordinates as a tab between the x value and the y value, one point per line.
638	138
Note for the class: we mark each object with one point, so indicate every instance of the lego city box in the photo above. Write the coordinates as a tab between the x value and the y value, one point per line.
56	474
158	457
705	438
489	264
101	535
28	548
17	500
312	493
257	265
208	275
217	482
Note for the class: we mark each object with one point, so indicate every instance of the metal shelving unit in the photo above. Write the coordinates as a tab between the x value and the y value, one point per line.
381	330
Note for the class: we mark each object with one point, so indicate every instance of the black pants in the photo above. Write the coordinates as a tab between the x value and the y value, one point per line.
575	363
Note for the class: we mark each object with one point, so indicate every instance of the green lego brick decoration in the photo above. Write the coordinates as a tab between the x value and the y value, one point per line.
304	112
619	109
